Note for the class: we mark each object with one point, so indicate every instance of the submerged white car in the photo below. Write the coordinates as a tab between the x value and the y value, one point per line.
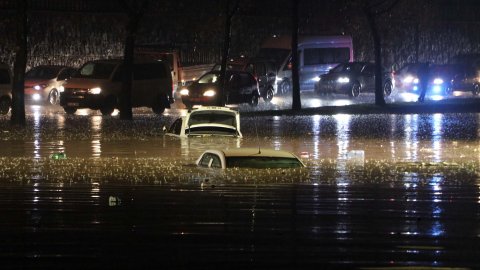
248	158
207	121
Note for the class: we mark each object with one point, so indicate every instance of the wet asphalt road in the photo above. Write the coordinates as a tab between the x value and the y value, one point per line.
380	192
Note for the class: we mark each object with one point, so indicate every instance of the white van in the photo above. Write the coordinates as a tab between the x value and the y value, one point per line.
316	55
98	84
5	88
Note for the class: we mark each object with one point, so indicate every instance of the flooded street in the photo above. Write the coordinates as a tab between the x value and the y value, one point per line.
379	192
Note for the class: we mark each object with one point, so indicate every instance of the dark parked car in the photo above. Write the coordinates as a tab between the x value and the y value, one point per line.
353	79
467	69
240	87
5	88
407	79
263	70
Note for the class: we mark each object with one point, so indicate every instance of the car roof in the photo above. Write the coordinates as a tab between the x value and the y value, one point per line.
228	72
257	152
212	108
120	61
50	66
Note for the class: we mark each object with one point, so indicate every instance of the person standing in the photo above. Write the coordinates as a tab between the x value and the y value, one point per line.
424	76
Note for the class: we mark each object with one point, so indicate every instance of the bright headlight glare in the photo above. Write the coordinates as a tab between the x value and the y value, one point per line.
437	81
410	79
316	79
184	92
343	80
61	89
39	87
209	93
95	90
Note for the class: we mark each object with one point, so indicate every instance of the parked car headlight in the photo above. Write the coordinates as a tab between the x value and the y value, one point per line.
410	79
95	90
61	88
343	80
209	93
184	92
39	86
438	81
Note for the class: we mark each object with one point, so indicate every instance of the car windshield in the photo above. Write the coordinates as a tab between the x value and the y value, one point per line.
275	54
229	67
211	130
96	70
212	117
263	162
209	78
350	67
42	73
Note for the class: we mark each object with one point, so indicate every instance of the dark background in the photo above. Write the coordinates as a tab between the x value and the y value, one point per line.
71	32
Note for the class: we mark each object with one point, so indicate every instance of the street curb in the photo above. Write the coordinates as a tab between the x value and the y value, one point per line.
428	107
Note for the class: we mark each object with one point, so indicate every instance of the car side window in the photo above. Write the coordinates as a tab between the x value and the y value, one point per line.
368	69
260	69
250	68
234	82
65	74
288	66
176	127
4	76
205	161
210	160
215	162
117	77
149	71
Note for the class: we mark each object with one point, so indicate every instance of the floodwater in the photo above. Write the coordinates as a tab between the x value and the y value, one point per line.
379	192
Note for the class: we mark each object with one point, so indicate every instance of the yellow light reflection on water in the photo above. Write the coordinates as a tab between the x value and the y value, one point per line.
96	129
411	138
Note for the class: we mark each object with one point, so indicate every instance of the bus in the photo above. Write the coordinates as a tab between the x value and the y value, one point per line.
316	56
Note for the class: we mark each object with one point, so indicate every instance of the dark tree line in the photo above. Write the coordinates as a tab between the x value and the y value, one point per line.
391	32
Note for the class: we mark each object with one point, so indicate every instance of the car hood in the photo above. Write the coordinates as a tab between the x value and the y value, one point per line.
200	87
84	83
33	82
334	76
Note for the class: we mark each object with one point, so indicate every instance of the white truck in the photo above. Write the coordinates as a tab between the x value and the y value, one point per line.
316	56
181	75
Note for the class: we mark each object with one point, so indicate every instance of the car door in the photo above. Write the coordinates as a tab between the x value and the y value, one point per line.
368	77
261	76
234	89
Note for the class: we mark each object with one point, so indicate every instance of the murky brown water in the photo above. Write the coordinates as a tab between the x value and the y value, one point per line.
379	191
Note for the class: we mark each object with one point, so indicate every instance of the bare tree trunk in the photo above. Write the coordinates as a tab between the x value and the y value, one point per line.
221	98
128	58
134	15
417	41
296	102
18	87
379	98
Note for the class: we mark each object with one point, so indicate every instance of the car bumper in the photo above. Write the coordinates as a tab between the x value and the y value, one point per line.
35	96
199	100
81	101
334	88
